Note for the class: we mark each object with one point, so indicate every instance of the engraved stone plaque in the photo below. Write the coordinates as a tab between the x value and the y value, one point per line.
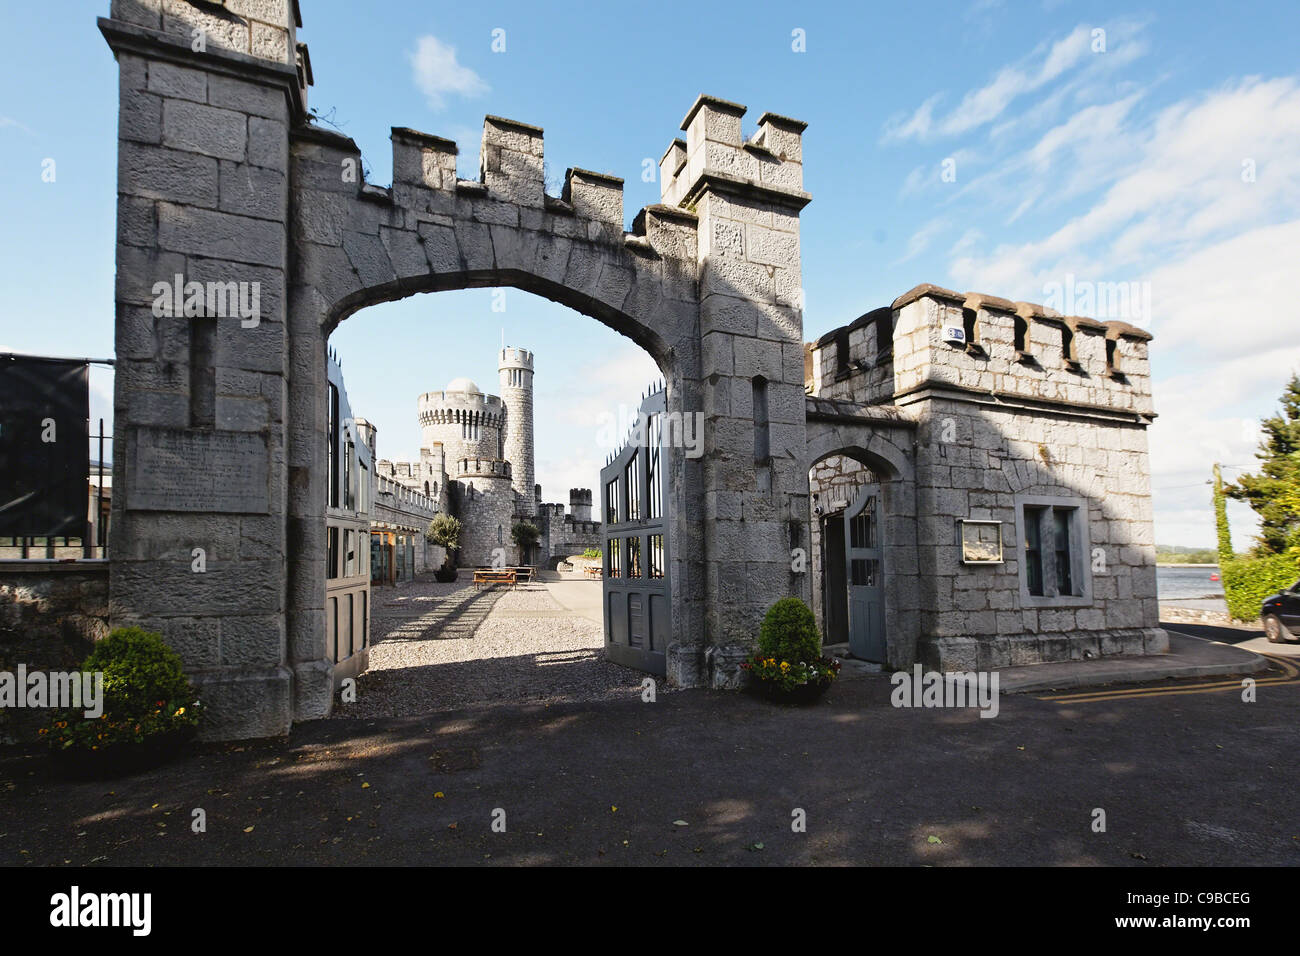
177	469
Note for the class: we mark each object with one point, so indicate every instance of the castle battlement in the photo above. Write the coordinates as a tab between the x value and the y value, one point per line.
483	468
451	399
395	495
516	358
1021	350
511	169
768	166
715	154
483	413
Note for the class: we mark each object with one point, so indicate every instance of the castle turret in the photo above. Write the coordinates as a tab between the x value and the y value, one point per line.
580	503
516	369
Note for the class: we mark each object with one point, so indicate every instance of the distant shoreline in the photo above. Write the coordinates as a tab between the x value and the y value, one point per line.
1177	564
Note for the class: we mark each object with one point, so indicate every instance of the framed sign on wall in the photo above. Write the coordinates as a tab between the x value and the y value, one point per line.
981	541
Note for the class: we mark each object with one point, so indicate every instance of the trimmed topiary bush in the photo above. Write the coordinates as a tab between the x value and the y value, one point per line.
139	671
789	632
147	701
788	666
1247	581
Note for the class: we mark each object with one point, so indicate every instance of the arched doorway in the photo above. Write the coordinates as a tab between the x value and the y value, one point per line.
862	512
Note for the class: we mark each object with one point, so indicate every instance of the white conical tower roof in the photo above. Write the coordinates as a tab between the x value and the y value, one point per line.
463	385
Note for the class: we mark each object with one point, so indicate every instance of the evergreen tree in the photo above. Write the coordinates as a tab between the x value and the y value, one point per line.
1274	493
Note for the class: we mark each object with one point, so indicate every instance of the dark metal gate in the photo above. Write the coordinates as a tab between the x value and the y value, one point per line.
637	589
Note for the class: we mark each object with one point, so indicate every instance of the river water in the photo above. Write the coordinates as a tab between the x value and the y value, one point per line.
1182	583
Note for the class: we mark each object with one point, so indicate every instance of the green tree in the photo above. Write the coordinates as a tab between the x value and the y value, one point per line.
1274	493
525	535
444	531
1221	517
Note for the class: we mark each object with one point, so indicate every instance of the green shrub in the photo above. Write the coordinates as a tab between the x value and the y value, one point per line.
139	670
593	554
789	632
145	692
1247	581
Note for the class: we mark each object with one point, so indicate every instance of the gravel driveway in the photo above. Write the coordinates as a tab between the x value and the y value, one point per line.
438	647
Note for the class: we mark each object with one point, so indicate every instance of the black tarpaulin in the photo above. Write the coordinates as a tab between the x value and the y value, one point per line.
44	440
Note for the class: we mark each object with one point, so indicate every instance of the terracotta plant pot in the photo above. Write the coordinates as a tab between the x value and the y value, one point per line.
122	758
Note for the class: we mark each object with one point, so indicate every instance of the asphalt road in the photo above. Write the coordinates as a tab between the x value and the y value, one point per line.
1196	777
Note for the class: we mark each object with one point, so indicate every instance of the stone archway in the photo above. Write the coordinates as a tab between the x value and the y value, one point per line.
881	442
227	190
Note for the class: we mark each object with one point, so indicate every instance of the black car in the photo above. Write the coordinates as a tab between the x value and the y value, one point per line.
1281	615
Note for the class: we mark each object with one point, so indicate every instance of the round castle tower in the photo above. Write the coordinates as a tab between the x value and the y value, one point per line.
468	427
466	422
516	371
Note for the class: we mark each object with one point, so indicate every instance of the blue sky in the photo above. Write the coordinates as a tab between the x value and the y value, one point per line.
1122	164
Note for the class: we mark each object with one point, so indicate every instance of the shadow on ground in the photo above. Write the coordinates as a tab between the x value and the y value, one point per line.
1196	779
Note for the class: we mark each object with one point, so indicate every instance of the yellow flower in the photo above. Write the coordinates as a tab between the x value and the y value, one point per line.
179	712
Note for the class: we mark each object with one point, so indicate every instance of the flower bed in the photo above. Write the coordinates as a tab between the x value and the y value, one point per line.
782	681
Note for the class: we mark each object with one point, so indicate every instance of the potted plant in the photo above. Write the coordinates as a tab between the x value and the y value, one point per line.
150	711
444	531
788	666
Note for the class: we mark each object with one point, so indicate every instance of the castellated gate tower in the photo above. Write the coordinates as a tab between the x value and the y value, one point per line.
516	370
1001	511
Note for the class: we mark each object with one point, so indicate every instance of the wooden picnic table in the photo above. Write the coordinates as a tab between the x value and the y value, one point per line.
494	576
593	570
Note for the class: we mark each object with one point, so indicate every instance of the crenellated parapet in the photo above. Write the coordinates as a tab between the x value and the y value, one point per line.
932	337
714	152
512	170
488	413
483	468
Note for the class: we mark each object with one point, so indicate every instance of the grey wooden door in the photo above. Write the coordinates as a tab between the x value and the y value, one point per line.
864	559
637	588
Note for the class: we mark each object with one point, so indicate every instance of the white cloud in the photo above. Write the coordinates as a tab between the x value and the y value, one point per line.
437	73
922	239
587	409
1160	198
1177	213
1071	56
